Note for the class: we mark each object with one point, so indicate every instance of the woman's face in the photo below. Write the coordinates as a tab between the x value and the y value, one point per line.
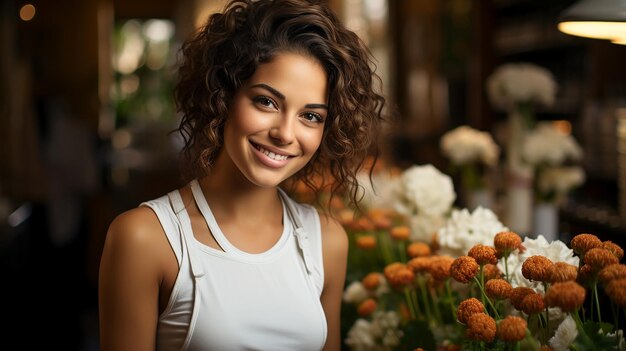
276	120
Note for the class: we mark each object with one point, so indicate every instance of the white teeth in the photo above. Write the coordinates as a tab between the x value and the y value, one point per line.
272	155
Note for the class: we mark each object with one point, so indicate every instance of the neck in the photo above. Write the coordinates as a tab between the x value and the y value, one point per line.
233	196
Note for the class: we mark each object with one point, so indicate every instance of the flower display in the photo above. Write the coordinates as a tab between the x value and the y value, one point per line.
477	286
521	83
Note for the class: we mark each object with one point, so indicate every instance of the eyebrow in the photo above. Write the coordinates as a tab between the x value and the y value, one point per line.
282	96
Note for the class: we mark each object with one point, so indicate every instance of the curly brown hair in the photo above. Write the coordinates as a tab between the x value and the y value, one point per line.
219	57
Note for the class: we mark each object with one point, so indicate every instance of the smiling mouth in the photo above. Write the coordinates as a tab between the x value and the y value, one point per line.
270	154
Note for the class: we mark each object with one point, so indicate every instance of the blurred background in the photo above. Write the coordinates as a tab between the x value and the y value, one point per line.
86	107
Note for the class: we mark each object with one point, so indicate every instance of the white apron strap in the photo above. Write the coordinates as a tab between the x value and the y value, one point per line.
196	269
301	235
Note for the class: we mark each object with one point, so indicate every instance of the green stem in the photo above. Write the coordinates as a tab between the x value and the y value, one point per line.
416	302
506	268
425	299
409	301
545	289
449	293
485	297
581	331
595	294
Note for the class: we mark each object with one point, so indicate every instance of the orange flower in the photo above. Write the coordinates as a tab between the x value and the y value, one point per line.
440	267
419	264
371	281
367	307
366	242
532	303
464	269
567	295
399	275
582	243
545	348
481	327
512	329
380	218
535	268
418	249
467	308
616	290
498	289
614	248
599	258
561	272
518	294
400	232
612	272
364	224
506	242
483	254
491	271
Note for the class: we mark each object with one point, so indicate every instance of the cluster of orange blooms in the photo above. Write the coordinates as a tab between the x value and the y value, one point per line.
565	284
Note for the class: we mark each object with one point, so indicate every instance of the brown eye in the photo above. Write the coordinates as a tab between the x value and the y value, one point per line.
265	101
313	117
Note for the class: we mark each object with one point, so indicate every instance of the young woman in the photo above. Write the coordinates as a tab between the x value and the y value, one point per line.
270	92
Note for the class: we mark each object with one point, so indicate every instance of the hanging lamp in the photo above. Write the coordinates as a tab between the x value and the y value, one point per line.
599	19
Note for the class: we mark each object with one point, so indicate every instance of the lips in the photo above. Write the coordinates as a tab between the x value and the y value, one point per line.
270	158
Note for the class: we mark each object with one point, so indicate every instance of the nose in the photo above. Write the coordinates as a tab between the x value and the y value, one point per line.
283	130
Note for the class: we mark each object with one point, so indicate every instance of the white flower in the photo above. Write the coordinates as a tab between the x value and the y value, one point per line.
546	145
555	251
425	190
379	192
463	230
359	337
355	293
381	334
559	179
515	83
465	145
565	335
424	227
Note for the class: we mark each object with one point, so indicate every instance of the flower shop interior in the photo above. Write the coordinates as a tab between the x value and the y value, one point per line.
499	189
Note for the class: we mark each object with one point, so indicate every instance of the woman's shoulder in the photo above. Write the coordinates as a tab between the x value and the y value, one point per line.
135	229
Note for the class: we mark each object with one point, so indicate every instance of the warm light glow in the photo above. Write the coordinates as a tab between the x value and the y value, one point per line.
619	41
27	12
594	29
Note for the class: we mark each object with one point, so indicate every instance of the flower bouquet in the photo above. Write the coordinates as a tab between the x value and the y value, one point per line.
553	156
471	152
518	88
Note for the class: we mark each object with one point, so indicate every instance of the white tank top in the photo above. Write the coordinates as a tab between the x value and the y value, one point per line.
233	300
